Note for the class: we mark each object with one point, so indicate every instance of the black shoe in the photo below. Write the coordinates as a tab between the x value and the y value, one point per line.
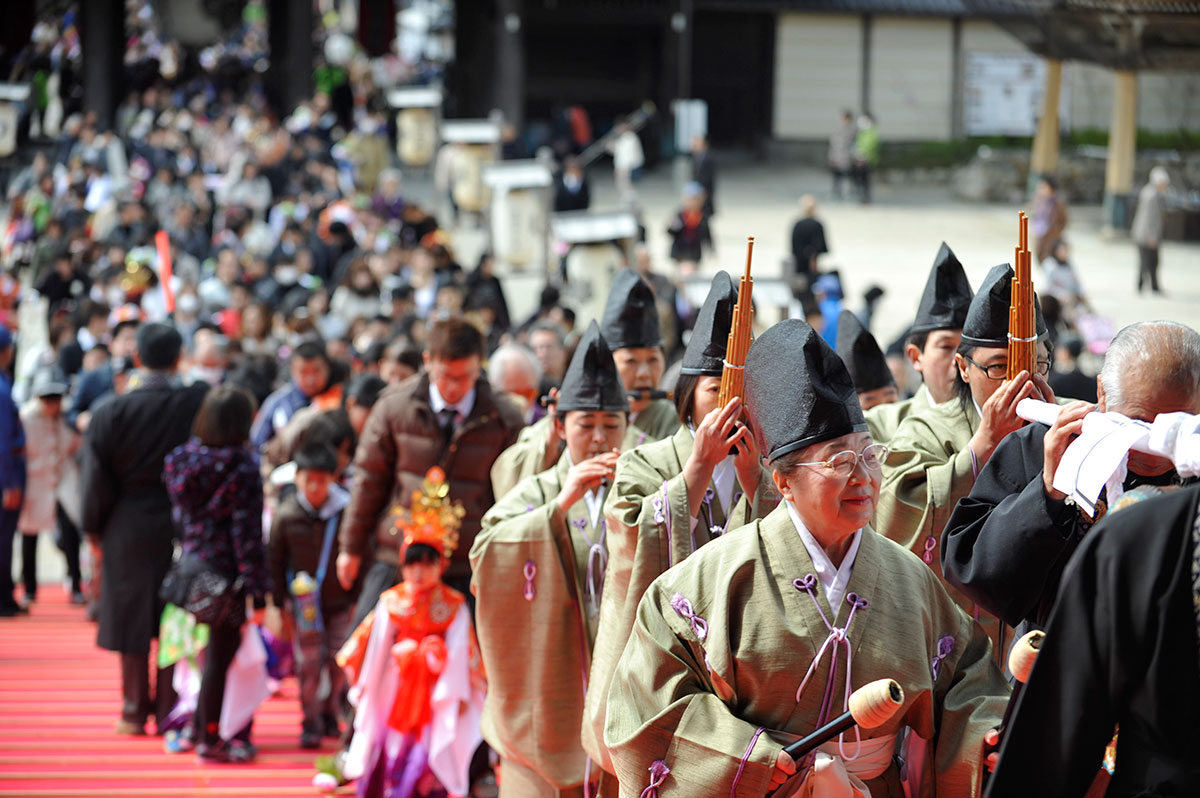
310	740
329	726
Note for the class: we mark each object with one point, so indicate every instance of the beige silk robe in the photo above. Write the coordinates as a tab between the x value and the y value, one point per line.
524	458
928	469
884	420
762	633
649	530
536	625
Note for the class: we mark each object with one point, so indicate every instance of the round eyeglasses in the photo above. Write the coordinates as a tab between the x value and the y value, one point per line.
998	371
844	463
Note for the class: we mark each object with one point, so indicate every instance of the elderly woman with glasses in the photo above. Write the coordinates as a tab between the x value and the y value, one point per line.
760	637
937	454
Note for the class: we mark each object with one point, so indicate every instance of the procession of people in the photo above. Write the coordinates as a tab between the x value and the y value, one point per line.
269	413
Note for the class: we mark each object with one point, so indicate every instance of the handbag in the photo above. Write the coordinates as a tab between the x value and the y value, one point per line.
212	597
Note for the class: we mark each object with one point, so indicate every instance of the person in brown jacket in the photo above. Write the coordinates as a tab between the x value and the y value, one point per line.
446	416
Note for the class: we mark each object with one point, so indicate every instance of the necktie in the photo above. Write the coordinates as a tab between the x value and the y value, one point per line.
446	417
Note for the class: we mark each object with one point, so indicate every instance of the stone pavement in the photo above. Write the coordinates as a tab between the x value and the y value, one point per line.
893	241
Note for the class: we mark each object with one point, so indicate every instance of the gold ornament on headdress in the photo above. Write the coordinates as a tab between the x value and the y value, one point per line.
433	518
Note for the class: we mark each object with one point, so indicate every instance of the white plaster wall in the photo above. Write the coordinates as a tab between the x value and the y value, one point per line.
818	72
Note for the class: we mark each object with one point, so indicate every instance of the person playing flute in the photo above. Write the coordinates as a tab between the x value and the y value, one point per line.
630	326
761	636
538	566
672	497
937	454
1008	540
930	345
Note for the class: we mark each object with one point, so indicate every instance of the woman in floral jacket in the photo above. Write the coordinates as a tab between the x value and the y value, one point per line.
217	499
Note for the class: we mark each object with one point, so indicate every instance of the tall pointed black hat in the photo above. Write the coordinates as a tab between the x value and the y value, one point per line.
987	319
630	317
947	295
861	355
705	352
798	391
591	381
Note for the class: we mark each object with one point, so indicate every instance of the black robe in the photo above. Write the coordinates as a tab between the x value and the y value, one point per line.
1007	542
1120	648
125	502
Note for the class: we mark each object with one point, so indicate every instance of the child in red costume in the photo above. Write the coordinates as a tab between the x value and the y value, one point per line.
414	666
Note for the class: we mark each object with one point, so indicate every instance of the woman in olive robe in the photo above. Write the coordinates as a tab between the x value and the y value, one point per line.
538	570
759	638
672	497
935	456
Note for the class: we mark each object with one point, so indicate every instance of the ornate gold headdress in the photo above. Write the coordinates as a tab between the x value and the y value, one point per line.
433	518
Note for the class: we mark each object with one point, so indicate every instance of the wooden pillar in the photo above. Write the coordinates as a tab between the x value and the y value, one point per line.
1122	151
290	72
1044	159
958	127
864	89
102	36
508	80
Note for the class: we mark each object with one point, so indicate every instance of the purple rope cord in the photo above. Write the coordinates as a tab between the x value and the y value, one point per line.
945	647
658	774
530	572
742	765
662	516
930	545
597	562
684	609
838	636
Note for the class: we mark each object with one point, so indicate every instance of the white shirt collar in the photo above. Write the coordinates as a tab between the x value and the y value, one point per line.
928	395
335	502
833	580
463	406
595	504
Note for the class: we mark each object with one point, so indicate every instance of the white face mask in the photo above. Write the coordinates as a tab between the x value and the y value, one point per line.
287	275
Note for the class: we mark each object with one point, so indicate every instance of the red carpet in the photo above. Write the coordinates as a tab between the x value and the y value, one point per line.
59	699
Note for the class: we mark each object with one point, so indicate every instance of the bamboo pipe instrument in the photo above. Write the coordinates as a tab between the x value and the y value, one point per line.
734	371
1022	314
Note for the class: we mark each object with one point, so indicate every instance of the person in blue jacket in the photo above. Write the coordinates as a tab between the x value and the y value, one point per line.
12	475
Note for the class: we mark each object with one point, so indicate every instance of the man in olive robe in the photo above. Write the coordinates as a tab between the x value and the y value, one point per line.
630	326
936	455
759	638
930	345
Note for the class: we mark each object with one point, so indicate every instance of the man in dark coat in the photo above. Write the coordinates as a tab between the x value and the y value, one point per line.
125	504
571	190
1120	649
704	172
1007	542
447	416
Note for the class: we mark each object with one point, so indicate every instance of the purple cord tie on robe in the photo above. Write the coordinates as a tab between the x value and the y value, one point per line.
838	636
945	647
597	562
930	545
742	765
684	609
530	572
658	774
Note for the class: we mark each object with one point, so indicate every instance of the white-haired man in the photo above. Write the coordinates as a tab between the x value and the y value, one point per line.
513	370
1007	542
